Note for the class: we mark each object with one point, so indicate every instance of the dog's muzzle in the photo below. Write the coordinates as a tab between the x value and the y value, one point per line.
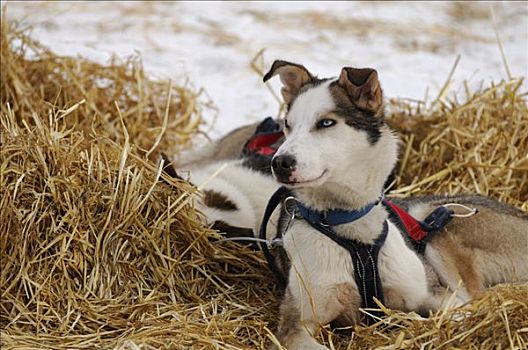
283	166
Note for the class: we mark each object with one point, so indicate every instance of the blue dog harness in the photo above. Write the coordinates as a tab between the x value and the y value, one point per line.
333	217
364	256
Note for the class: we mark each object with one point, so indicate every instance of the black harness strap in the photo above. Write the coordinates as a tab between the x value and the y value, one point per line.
433	224
365	260
273	203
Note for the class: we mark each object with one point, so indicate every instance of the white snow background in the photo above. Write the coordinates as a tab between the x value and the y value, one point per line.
413	45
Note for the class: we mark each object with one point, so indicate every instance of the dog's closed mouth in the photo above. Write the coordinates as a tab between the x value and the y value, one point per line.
307	182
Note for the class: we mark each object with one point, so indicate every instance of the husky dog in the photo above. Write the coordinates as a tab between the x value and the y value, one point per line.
337	154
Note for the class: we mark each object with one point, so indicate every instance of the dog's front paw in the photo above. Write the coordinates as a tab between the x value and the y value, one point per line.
305	344
317	346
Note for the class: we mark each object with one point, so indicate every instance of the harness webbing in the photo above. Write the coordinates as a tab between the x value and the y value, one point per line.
365	260
333	217
273	203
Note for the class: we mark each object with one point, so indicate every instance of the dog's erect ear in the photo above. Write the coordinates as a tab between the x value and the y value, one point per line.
292	75
363	87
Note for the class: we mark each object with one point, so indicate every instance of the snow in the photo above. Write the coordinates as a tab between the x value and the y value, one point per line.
413	45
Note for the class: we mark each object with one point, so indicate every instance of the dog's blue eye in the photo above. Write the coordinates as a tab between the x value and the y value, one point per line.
325	123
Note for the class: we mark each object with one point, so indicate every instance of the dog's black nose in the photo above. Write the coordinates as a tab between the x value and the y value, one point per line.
283	162
282	166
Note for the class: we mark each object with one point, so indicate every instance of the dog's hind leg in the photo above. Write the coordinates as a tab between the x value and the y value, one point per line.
441	300
456	270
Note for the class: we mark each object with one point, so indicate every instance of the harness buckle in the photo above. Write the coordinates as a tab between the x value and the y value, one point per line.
323	221
292	214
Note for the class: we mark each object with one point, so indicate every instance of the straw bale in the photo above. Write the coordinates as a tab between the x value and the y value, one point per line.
95	249
97	252
477	145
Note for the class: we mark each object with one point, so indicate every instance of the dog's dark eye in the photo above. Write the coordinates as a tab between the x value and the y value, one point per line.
325	123
286	125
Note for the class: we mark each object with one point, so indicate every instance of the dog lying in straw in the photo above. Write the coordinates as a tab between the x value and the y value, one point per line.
342	244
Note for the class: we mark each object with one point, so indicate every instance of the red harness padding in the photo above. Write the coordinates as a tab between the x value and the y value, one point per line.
412	226
261	144
419	232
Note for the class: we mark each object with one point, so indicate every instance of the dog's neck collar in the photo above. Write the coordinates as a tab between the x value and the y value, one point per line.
334	217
